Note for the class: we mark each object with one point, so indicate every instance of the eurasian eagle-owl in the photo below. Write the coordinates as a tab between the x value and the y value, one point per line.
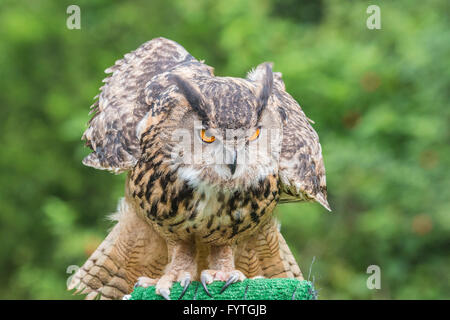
208	159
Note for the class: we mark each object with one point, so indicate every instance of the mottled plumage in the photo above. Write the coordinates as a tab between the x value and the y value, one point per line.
196	209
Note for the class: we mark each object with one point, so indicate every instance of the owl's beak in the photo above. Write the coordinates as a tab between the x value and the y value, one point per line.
232	166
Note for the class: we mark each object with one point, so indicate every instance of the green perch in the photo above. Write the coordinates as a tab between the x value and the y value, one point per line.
249	289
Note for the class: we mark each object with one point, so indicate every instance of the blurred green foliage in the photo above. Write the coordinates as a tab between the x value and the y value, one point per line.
380	100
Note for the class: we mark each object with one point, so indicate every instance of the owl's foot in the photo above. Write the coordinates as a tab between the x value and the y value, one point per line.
180	269
164	284
208	276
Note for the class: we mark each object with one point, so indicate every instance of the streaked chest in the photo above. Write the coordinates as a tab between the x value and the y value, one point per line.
180	211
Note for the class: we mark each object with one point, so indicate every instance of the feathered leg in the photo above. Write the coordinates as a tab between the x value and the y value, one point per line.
267	254
182	268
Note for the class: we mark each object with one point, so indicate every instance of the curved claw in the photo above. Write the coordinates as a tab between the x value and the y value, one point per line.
186	286
165	294
293	293
232	279
203	281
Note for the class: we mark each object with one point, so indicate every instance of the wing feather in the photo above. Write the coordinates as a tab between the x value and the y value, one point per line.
123	102
132	249
301	167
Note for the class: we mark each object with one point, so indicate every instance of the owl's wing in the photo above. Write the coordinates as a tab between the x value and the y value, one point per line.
124	101
301	168
132	249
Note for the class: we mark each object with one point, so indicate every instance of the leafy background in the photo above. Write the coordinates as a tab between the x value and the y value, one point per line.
380	100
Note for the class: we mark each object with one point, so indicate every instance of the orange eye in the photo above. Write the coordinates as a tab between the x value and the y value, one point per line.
205	138
255	135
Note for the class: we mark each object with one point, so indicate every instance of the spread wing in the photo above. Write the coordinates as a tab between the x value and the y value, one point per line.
124	101
301	168
132	249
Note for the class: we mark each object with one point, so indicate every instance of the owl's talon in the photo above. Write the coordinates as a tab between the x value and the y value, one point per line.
165	293
232	279
206	290
187	282
206	279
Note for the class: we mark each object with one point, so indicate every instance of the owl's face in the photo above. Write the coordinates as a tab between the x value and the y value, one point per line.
229	138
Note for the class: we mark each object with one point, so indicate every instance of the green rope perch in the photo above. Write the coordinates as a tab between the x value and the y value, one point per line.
254	289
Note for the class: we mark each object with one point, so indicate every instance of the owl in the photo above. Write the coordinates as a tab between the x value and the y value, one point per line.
207	160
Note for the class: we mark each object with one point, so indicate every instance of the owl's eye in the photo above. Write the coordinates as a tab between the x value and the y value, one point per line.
255	135
205	137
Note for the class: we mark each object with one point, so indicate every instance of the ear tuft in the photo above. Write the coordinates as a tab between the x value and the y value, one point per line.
193	96
264	75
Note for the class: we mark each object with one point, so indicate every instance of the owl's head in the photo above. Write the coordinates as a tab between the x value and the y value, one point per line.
226	134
